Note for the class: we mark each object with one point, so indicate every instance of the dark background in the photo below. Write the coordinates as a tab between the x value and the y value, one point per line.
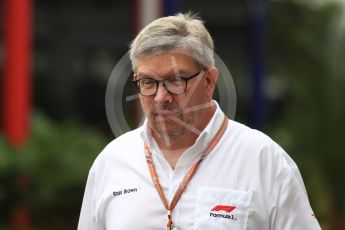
297	47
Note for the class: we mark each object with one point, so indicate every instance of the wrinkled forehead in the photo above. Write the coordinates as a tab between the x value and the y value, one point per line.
166	62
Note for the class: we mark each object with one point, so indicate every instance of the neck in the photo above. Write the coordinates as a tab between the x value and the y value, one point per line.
173	148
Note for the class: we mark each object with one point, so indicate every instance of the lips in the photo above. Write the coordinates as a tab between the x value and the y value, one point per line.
167	113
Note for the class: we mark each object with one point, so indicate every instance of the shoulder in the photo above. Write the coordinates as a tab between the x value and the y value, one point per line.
127	140
123	148
250	140
259	147
245	134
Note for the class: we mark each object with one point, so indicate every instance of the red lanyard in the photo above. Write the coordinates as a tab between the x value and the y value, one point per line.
187	177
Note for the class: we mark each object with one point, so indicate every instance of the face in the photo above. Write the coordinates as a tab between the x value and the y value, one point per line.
174	116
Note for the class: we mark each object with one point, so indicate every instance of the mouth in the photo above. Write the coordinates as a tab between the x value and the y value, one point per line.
167	113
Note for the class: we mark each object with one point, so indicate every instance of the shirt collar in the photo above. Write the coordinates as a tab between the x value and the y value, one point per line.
194	152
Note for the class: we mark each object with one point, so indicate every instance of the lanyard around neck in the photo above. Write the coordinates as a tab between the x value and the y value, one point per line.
187	177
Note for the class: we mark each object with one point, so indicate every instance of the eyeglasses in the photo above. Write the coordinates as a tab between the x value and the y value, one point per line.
174	85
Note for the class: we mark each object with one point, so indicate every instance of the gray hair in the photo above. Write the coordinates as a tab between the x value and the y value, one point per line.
182	31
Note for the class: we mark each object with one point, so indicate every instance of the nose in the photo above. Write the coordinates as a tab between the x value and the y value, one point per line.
162	95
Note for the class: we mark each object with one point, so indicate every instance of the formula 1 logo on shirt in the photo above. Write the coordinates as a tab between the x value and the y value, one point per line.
223	211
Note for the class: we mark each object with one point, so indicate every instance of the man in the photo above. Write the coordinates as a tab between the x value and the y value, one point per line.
189	166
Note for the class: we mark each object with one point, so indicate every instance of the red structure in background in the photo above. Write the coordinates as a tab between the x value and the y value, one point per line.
16	86
16	91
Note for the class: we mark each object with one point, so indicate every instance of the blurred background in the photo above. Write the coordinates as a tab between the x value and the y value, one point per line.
287	59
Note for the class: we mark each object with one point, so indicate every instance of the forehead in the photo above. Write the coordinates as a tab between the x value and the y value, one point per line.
162	63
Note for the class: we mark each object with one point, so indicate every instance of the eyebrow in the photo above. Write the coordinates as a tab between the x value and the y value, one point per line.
170	74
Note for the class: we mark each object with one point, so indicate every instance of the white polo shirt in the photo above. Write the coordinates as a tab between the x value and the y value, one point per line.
246	182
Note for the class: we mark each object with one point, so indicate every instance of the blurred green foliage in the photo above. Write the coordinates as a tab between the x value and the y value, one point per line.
306	51
48	175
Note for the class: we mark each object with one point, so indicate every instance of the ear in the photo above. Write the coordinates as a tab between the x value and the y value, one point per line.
211	81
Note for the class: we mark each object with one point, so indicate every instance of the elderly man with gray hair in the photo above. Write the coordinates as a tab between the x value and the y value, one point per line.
189	166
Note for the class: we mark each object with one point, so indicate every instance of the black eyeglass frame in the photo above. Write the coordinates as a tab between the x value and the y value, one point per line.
186	79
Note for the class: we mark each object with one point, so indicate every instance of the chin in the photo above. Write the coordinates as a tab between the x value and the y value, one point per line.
172	132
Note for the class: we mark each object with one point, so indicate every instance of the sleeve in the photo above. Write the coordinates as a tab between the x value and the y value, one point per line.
88	217
292	209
